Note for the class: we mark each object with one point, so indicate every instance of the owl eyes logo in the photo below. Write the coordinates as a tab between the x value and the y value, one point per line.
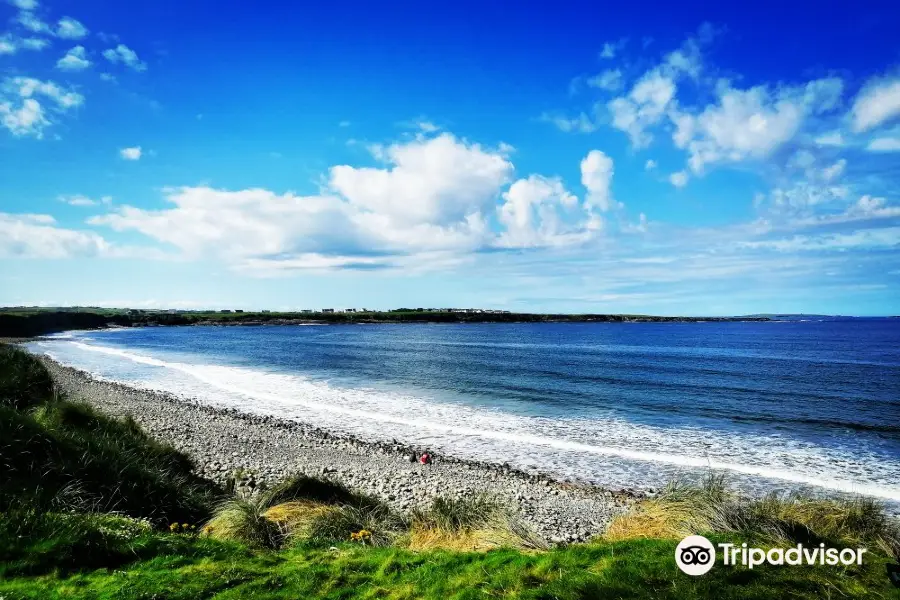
695	555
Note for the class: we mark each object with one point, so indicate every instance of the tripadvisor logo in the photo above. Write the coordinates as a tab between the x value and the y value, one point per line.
696	555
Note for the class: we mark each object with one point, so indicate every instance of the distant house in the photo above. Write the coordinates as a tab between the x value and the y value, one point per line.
266	311
238	310
225	310
350	310
306	310
327	310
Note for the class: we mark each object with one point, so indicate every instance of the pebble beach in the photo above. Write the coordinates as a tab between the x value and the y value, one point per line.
265	449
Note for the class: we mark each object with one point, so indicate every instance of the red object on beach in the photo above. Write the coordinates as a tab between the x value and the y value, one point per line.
425	459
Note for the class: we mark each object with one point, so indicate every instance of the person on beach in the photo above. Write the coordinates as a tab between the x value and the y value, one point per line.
425	459
414	457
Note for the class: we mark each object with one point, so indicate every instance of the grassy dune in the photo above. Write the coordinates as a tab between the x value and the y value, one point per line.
90	507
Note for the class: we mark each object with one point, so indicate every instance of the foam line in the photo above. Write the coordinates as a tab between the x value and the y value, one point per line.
217	376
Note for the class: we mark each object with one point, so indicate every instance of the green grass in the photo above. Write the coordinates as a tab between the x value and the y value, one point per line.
143	565
62	455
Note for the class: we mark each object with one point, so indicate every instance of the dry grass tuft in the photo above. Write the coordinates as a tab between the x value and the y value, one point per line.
472	524
296	518
682	510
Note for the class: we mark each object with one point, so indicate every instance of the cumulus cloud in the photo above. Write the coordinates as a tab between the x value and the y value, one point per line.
133	153
644	107
751	123
539	211
596	176
32	23
432	195
654	93
70	29
10	44
434	180
21	110
25	4
37	236
435	199
878	102
126	56
650	165
74	60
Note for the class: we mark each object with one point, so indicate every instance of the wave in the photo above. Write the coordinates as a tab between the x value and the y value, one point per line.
289	395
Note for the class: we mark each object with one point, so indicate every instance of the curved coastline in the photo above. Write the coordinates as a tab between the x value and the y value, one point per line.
222	441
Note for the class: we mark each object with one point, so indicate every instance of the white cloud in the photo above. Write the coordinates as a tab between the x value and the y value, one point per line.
644	107
70	29
7	45
34	43
435	180
884	144
596	176
37	236
832	138
125	55
81	200
888	237
10	44
580	124
750	123
74	60
429	204
25	4
834	170
27	119
679	179
108	77
133	153
611	49
539	211
650	165
22	113
32	23
609	80
878	102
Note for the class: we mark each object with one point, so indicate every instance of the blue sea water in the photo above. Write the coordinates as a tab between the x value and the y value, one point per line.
810	406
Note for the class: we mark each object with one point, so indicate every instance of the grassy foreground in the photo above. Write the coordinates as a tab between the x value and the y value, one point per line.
90	507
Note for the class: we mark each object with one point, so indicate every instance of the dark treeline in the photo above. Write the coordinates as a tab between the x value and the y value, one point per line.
30	323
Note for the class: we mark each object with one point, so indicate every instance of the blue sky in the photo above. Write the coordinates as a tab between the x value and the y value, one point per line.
569	157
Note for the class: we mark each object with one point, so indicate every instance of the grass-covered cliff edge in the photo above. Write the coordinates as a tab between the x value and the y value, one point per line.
28	322
91	507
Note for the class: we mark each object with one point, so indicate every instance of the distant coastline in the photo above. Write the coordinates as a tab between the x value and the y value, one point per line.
31	322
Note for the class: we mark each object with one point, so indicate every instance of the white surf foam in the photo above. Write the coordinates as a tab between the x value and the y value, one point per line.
593	449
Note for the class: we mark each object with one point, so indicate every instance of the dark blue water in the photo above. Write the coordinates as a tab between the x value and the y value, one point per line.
787	405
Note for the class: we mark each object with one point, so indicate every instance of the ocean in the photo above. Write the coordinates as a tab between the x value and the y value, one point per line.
810	406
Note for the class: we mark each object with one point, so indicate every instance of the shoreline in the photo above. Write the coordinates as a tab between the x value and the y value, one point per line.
267	449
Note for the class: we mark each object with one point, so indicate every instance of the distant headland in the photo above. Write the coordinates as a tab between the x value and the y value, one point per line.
23	322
